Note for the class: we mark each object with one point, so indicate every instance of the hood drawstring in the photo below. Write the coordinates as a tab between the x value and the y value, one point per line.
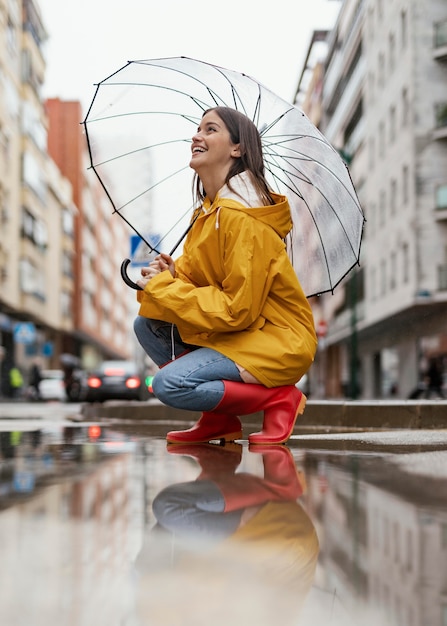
217	217
172	343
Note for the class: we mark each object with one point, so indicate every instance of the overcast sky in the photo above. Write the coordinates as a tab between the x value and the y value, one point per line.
266	39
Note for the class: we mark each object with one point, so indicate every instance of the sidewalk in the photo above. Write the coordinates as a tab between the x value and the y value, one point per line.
362	414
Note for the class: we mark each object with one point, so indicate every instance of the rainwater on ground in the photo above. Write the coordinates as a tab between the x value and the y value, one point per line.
103	524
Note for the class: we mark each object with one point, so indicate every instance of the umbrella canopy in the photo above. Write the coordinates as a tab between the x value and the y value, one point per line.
139	128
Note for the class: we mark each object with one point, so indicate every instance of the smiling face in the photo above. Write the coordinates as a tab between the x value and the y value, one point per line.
213	152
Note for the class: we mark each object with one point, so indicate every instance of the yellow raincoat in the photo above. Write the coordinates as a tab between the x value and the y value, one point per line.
235	290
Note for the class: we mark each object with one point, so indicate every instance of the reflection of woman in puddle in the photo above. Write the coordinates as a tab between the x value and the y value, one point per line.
252	526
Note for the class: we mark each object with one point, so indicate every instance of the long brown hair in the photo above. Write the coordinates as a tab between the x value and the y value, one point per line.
243	132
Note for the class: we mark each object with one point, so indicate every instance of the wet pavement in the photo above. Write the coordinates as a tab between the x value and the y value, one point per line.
102	524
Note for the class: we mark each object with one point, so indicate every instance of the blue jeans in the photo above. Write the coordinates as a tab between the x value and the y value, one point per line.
195	510
190	377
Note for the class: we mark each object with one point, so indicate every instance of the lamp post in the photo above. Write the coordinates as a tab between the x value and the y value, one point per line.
353	345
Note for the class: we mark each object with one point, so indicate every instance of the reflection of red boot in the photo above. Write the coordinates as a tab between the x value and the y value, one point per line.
213	459
280	483
280	469
281	406
211	426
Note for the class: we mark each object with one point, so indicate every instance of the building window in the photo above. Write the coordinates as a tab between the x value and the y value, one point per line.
371	150
382	208
408	556
403	29
66	304
444	536
405	184
353	123
405	260
382	293
67	222
373	284
67	264
12	39
371	23
405	107
372	219
393	276
392	124
371	85
391	52
381	69
441	197
381	139
393	196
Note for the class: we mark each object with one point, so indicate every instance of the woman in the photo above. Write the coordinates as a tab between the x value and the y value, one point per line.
228	322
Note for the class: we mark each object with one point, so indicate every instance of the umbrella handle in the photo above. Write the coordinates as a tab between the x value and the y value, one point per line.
126	278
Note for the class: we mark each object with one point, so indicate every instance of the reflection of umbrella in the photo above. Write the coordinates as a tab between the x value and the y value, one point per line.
139	128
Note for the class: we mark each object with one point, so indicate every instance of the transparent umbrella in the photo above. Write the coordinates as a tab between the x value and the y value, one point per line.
139	127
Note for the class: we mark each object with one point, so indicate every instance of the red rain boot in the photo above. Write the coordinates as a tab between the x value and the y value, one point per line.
211	426
281	406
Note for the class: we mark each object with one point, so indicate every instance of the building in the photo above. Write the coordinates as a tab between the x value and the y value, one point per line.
60	247
102	302
383	107
34	196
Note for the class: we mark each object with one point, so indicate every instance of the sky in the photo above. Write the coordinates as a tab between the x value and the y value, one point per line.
266	39
88	40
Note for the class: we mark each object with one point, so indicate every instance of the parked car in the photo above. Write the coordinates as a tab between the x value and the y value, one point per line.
116	380
304	385
52	386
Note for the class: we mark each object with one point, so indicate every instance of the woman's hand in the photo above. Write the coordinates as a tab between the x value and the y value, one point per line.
161	263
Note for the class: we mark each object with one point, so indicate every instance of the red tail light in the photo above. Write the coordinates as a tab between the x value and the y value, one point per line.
133	382
114	371
94	382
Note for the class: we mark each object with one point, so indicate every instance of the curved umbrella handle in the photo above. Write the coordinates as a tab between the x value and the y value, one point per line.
126	278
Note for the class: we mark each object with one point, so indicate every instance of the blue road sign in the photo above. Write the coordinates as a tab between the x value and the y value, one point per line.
25	332
139	252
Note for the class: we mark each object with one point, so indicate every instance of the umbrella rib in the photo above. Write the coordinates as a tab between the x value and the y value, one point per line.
172	228
294	189
316	227
126	154
355	253
302	157
182	169
237	100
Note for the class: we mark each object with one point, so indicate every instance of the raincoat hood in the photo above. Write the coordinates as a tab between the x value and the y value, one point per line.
241	195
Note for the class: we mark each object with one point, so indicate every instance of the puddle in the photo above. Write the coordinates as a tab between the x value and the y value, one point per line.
107	526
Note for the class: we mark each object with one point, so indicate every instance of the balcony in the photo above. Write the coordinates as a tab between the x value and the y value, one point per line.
441	203
442	277
440	41
440	131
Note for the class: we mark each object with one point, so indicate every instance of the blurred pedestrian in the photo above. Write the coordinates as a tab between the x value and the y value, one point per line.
434	378
35	376
15	381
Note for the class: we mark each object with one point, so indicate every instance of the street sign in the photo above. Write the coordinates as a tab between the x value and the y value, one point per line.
139	252
25	332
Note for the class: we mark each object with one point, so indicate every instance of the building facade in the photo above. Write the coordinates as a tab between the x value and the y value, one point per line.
102	302
384	108
60	249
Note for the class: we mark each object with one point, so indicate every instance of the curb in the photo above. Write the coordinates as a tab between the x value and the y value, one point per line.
376	414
